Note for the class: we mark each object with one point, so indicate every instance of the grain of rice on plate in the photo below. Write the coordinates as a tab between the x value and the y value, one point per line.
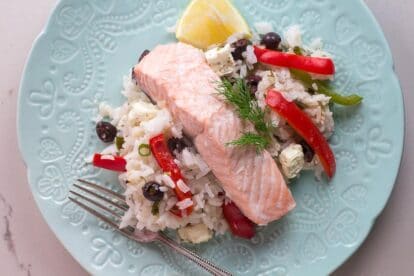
138	120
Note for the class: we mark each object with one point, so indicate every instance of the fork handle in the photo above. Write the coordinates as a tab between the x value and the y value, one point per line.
206	264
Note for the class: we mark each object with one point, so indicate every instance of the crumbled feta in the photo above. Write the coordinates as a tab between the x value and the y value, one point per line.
195	233
221	60
292	160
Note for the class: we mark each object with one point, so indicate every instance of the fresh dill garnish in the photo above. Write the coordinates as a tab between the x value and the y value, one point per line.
251	139
240	96
246	105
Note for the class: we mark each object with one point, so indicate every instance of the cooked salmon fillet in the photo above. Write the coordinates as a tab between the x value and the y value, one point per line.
179	76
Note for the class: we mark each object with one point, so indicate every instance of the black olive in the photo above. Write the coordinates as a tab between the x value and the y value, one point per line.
151	191
311	91
145	53
240	47
176	144
106	131
307	151
271	41
253	82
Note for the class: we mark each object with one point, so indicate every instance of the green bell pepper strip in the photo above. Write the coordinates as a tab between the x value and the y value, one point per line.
323	88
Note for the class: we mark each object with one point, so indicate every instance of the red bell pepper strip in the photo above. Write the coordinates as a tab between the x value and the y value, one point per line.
258	51
109	162
315	65
304	126
239	225
166	162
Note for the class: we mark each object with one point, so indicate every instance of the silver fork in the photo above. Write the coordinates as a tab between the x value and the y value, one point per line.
90	194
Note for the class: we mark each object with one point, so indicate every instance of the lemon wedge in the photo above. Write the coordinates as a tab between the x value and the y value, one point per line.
210	22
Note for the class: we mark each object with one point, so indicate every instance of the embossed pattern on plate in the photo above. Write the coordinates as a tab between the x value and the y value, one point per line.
79	60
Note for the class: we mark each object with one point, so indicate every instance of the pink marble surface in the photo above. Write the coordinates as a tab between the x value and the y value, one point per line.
28	247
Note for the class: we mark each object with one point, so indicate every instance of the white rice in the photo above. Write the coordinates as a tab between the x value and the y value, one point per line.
138	120
168	181
184	204
182	186
250	56
208	190
317	106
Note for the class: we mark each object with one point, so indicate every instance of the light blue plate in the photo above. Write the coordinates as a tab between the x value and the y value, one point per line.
80	59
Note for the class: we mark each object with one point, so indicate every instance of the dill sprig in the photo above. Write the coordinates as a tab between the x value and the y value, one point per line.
251	139
240	96
246	105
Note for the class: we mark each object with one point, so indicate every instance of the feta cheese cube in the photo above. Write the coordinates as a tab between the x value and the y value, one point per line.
195	233
292	160
221	60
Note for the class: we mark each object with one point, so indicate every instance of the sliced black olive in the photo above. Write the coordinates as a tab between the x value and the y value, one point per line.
152	192
311	91
253	82
307	151
106	131
178	144
240	47
271	41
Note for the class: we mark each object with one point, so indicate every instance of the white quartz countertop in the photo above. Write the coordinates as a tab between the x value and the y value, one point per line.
28	246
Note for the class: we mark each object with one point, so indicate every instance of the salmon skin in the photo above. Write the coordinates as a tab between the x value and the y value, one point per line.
178	76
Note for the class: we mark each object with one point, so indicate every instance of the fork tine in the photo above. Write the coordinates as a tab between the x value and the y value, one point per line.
103	189
96	204
101	217
124	208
